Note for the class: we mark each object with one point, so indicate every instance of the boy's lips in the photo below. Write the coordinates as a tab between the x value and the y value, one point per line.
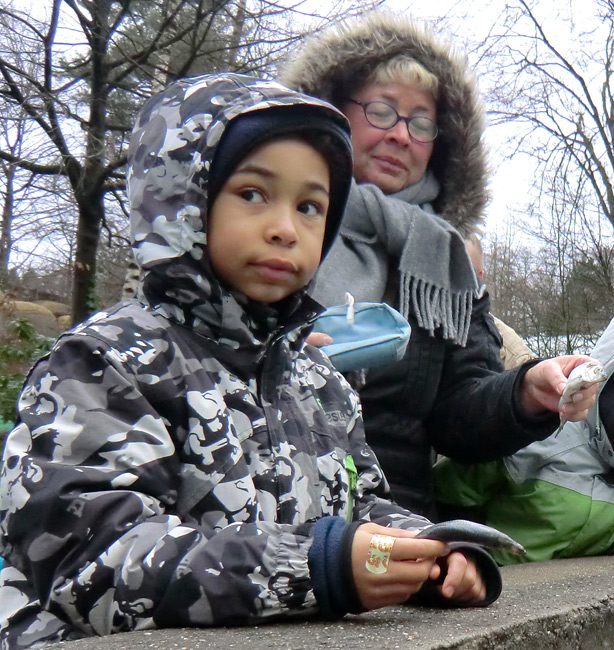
275	269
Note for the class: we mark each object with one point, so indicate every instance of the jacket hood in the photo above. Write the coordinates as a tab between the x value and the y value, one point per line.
173	146
336	62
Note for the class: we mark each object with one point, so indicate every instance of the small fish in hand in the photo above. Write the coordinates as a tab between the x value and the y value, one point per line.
462	530
580	377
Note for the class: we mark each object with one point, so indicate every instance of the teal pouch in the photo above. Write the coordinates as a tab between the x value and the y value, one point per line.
365	334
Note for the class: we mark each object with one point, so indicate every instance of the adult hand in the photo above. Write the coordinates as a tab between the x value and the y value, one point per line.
319	339
412	562
543	386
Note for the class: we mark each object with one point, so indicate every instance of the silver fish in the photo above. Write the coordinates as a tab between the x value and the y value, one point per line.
461	530
580	377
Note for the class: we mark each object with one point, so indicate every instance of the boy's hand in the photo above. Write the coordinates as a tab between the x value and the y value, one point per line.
319	339
463	582
411	564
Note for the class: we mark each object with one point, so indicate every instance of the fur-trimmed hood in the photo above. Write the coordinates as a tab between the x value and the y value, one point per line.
335	63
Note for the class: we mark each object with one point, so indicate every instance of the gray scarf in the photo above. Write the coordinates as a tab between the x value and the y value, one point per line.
436	279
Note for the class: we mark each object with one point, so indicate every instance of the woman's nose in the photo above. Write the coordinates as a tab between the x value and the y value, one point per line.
398	133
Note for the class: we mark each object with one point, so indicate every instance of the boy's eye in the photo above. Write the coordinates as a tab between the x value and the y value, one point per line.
311	208
251	195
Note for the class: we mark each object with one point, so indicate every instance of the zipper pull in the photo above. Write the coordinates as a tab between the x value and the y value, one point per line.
349	301
352	473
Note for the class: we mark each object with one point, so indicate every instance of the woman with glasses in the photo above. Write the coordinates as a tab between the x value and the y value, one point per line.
420	187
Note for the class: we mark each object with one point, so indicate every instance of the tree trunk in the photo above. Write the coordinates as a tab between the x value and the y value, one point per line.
84	298
88	185
7	217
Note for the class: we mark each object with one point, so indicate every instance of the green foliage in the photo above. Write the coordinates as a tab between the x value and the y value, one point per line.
20	347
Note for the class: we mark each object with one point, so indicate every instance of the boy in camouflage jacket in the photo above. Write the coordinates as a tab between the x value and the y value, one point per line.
184	459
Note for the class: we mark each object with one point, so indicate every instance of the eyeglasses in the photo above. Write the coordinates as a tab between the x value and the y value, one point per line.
383	116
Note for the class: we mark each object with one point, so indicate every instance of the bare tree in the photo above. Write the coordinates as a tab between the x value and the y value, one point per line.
82	67
550	82
560	97
555	289
11	191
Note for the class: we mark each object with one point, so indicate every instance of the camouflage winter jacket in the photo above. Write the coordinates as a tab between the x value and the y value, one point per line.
174	452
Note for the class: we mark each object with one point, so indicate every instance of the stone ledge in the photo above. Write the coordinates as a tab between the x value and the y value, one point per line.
559	605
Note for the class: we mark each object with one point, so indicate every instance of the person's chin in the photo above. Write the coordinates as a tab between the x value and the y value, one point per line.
388	184
269	294
387	180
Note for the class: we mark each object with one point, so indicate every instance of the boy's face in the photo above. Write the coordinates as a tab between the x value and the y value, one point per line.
266	226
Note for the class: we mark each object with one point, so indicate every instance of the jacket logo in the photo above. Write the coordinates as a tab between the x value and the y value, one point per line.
336	417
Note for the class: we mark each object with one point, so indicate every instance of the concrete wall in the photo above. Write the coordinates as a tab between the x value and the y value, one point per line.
558	605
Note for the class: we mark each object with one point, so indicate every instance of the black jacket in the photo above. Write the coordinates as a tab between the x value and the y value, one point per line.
447	399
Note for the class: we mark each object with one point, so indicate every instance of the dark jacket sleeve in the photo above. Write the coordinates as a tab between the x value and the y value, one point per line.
476	416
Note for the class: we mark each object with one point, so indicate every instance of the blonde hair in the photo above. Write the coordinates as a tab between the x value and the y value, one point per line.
405	70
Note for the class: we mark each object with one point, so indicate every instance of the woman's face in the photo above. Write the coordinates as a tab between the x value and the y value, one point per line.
389	158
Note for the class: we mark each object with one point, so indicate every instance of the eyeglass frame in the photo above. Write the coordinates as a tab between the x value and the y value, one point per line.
400	118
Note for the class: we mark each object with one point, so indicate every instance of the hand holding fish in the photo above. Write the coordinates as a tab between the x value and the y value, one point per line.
545	383
407	562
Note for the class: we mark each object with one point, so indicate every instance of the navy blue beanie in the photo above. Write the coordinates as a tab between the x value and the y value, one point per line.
307	122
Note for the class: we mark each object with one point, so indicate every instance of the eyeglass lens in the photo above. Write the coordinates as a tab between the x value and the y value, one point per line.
383	116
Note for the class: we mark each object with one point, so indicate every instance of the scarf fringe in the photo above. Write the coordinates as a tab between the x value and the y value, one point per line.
435	307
